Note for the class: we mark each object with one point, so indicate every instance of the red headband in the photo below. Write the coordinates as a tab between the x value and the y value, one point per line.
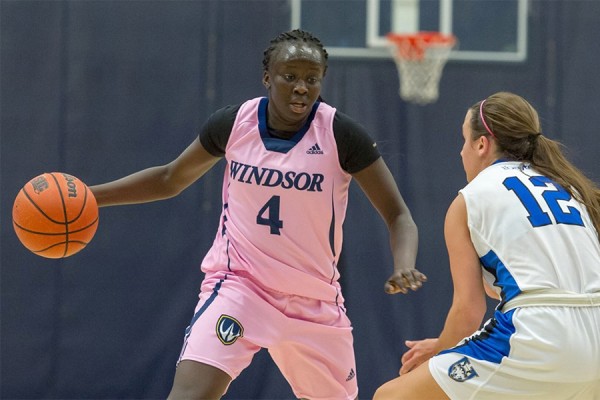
487	128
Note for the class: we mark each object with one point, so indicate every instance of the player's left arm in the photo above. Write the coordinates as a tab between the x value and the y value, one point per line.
379	186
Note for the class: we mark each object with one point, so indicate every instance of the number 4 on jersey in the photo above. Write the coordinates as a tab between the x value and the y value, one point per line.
269	215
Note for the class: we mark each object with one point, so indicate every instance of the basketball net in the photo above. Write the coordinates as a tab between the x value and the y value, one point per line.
420	59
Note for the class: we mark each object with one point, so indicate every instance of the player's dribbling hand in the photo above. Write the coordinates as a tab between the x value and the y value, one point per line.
401	281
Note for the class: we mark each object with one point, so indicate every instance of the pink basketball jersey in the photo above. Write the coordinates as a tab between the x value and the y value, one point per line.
284	203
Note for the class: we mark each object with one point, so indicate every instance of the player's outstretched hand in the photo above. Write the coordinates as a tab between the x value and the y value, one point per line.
418	352
401	281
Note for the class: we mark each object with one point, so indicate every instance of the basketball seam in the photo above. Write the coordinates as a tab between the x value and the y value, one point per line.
55	234
85	196
61	244
64	206
39	209
28	196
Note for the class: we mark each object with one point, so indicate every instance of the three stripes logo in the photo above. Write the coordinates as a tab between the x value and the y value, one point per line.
314	149
351	375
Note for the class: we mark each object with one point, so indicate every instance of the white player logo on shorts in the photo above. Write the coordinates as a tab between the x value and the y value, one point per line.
229	329
462	370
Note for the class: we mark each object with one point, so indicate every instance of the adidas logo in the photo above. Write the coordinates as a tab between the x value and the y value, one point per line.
314	149
350	375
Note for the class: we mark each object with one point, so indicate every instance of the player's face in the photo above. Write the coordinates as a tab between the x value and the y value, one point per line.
293	81
469	153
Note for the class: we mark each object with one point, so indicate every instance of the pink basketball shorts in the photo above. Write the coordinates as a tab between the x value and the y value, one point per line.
309	340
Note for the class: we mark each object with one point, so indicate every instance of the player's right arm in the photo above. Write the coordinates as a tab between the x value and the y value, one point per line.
469	300
159	182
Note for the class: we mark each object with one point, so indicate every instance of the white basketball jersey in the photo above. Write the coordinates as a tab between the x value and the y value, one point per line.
530	233
284	202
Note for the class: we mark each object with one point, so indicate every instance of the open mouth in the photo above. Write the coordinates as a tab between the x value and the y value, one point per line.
298	107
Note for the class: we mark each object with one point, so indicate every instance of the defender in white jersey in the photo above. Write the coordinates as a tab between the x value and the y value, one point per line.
524	230
271	277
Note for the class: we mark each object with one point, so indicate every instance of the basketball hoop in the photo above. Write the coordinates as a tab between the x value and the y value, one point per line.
420	58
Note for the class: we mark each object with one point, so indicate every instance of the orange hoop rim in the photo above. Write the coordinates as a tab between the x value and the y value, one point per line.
413	45
424	38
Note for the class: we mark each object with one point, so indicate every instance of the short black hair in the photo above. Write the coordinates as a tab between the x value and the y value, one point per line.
294	35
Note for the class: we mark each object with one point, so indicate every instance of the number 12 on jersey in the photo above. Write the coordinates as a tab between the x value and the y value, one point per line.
269	215
551	197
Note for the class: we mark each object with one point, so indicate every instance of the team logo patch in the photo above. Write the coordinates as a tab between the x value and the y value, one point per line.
229	329
462	370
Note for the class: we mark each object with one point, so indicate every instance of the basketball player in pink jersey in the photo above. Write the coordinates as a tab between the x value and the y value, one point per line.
271	277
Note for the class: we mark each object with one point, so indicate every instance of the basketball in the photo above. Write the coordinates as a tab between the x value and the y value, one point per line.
55	215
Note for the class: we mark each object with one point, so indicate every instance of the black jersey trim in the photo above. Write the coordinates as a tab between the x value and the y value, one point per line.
356	149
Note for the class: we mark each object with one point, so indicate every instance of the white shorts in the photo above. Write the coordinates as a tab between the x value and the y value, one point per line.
534	353
309	340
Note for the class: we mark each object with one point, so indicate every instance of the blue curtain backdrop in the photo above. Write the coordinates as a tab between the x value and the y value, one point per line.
100	89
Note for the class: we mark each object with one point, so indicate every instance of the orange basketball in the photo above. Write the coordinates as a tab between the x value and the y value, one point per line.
55	215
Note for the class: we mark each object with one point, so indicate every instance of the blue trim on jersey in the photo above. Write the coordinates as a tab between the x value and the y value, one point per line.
332	228
504	279
262	117
277	144
492	343
208	302
332	245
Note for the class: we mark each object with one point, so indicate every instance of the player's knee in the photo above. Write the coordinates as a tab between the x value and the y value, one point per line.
198	381
183	392
383	393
